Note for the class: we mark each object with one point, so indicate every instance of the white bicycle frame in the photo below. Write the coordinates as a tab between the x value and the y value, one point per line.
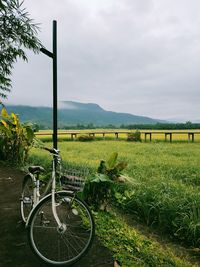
36	195
36	191
53	190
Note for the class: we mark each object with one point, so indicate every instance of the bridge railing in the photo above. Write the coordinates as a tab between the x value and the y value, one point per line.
146	135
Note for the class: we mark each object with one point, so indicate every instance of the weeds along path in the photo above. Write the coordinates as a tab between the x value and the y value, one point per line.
132	248
187	255
14	249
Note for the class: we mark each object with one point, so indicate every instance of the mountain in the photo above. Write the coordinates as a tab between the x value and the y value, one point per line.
72	113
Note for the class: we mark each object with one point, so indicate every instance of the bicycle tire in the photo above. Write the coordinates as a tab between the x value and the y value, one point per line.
61	248
26	204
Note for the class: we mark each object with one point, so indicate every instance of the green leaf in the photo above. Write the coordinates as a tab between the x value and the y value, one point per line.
5	124
99	177
15	119
30	133
112	160
4	113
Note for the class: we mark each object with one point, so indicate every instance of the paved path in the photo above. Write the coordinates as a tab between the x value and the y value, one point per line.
14	249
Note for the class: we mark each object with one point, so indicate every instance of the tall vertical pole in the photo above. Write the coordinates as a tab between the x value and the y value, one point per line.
55	104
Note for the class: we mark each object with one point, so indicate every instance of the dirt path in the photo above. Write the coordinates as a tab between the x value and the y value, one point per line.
14	249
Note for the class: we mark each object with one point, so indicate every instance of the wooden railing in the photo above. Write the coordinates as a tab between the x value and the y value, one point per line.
190	135
168	135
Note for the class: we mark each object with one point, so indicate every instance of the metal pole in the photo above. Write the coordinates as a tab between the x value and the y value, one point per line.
55	105
53	55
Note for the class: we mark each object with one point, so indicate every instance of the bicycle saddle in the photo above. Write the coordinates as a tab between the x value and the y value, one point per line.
36	169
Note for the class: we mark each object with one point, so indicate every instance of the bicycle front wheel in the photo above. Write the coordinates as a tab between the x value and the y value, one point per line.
61	247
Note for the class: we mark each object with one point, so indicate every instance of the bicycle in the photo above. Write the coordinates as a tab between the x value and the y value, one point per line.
60	224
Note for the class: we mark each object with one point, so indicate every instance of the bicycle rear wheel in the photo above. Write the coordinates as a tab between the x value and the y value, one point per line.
26	197
56	247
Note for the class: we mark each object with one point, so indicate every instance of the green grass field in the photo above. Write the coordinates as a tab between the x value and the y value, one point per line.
163	188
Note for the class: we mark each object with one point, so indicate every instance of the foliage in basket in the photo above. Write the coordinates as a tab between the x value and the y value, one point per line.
100	188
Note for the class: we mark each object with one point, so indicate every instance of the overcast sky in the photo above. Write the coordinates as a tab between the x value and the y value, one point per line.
135	56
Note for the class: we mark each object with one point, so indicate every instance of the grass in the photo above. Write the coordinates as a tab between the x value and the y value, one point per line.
146	161
164	178
130	247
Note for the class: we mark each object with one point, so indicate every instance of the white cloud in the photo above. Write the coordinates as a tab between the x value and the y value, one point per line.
136	56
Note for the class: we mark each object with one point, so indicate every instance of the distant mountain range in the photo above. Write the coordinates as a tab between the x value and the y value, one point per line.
73	113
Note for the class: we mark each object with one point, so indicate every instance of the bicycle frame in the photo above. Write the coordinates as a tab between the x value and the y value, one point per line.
36	191
36	194
53	190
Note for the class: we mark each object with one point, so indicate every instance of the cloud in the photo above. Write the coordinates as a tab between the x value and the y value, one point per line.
131	56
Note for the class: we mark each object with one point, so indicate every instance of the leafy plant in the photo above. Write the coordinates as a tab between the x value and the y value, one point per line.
99	188
15	138
136	136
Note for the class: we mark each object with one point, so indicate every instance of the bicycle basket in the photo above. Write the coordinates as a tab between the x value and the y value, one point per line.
73	180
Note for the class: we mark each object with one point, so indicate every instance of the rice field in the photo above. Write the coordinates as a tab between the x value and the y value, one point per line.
162	191
110	134
164	179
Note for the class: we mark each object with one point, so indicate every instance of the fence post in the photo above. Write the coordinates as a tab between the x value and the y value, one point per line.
189	137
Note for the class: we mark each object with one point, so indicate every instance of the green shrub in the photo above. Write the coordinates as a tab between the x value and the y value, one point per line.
85	138
135	137
99	188
15	138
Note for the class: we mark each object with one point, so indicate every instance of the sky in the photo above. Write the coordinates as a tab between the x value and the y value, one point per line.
135	56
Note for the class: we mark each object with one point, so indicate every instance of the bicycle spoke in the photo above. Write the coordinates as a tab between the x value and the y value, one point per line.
67	242
46	227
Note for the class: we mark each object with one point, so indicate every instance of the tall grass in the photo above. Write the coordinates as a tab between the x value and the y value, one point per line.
130	247
164	181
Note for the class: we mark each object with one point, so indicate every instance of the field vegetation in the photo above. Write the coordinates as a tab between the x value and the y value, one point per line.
162	188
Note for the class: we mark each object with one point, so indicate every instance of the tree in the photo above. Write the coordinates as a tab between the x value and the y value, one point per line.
17	32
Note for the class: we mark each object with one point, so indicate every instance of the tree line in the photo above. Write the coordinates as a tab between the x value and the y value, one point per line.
158	126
